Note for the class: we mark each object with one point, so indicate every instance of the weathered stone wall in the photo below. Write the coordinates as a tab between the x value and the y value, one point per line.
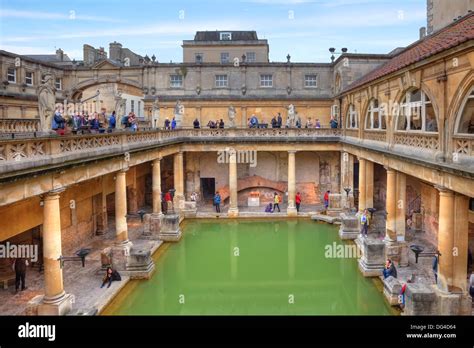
316	172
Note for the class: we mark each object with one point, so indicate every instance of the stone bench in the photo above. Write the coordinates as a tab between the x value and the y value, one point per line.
391	289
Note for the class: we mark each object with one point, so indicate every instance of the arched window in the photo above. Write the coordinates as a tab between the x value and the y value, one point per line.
351	119
465	123
375	118
417	113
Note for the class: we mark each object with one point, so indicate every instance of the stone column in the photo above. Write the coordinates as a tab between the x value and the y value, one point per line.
391	206
362	184
121	228
445	238
132	202
291	210
347	178
55	301
178	181
400	223
233	197
369	184
156	186
461	233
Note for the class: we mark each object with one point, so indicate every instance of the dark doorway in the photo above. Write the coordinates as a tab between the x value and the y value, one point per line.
208	187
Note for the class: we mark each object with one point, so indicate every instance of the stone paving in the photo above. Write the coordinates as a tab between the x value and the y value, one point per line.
83	282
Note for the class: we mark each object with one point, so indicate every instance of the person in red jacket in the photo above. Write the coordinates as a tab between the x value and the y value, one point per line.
326	199
298	201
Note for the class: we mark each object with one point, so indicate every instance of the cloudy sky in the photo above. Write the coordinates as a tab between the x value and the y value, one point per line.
303	28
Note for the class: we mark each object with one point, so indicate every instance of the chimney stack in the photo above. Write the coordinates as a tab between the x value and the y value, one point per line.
60	54
422	32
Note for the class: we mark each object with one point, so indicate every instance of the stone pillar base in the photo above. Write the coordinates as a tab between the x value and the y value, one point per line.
391	290
152	226
59	306
420	299
170	230
129	261
349	227
397	251
291	211
453	303
372	261
140	264
233	212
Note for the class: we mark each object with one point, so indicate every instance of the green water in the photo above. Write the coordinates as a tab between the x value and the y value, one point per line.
279	268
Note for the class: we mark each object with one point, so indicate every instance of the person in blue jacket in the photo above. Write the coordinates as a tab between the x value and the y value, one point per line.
217	202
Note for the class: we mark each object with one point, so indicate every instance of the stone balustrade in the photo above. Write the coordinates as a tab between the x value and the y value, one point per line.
27	153
18	125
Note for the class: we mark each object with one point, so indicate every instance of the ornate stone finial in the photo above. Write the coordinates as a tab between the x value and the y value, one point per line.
288	57
153	58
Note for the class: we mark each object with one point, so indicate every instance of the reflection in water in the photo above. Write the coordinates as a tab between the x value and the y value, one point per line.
275	260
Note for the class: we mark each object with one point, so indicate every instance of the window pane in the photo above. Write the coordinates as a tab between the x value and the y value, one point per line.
310	80
430	123
266	81
250	57
224	57
11	75
466	124
176	81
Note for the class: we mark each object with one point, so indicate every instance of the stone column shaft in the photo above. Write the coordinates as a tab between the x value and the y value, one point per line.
53	274
400	224
445	238
362	184
233	198
391	206
291	210
156	186
178	180
461	233
369	184
121	229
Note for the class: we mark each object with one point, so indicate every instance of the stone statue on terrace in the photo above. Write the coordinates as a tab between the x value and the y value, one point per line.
46	103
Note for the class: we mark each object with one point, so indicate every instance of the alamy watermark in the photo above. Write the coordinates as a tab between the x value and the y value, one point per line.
22	251
342	251
241	156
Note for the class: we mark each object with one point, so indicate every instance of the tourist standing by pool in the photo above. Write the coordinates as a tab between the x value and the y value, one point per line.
276	202
298	202
364	222
217	202
326	199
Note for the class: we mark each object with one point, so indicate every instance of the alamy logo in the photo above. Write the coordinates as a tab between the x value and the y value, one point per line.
13	251
342	251
37	331
241	156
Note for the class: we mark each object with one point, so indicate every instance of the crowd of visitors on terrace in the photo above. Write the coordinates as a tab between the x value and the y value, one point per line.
100	122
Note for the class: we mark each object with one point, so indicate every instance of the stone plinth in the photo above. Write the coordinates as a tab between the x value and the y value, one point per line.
61	306
128	260
170	230
189	209
398	252
349	226
335	204
372	261
391	290
453	303
152	226
420	299
140	265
